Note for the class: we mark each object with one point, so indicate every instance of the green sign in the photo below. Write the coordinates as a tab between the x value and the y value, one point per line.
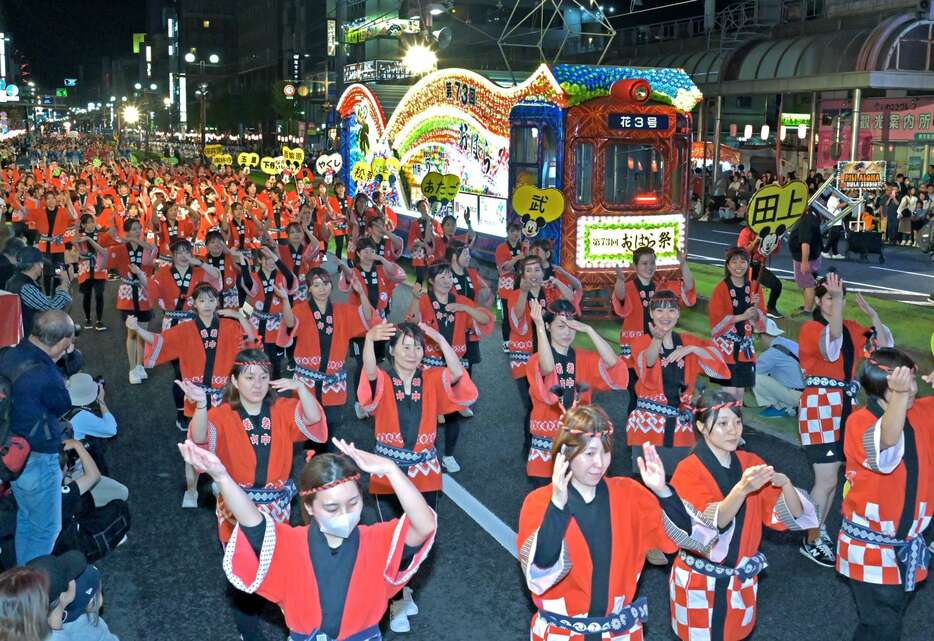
927	136
793	120
61	92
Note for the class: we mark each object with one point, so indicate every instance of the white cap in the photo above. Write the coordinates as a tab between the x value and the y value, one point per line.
772	328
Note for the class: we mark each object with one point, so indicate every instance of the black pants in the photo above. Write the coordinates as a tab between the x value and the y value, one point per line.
177	394
274	352
48	274
334	414
247	609
504	308
770	281
339	246
452	426
631	391
880	610
96	288
421	273
833	244
522	384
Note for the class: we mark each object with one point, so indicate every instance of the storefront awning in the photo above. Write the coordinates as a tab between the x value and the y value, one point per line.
727	154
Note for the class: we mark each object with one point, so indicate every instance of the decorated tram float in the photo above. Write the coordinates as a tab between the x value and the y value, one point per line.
614	141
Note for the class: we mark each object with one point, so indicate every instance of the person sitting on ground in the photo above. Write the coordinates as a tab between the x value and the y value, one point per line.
83	621
25	283
779	381
89	415
60	573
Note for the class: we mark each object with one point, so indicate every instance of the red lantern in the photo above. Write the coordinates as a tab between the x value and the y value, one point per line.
635	90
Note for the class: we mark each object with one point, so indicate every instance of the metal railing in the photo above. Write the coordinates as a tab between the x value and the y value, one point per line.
660	32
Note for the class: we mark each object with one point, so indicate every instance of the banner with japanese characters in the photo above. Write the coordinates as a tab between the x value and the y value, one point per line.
607	242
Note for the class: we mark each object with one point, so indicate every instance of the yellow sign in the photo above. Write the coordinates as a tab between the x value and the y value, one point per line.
360	172
293	157
440	189
272	166
774	209
212	150
537	207
329	164
222	159
248	159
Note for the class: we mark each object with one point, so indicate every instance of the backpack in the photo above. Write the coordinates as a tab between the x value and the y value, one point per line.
14	449
926	238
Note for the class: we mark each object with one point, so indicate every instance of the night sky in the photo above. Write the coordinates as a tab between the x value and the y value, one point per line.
58	36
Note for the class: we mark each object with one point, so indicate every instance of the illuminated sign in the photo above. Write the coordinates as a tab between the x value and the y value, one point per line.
793	120
865	174
289	91
380	27
71	82
375	71
61	92
608	241
138	39
332	37
8	93
638	121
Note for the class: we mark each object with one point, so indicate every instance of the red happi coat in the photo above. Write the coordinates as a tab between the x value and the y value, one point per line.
131	295
338	223
634	310
434	395
230	272
385	285
185	342
299	262
169	231
507	275
342	322
230	441
243	233
695	595
164	289
821	409
259	294
637	526
51	240
645	426
431	311
283	573
417	229
522	337
584	367
721	310
881	485
87	252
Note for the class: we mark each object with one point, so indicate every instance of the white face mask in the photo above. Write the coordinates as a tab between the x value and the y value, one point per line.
339	526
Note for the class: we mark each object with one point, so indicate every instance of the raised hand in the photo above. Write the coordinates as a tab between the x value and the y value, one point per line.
899	380
382	332
132	323
652	469
657	334
577	325
286	384
560	478
834	285
865	307
780	480
431	332
679	353
535	311
372	464
202	460
194	393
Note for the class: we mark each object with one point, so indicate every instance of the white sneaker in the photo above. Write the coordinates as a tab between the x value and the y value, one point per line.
408	598
656	557
190	499
466	412
505	347
181	425
825	255
143	375
450	464
441	419
358	409
839	256
134	377
398	619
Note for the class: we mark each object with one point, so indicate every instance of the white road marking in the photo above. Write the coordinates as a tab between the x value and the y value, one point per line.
901	271
711	242
877	289
720	231
492	524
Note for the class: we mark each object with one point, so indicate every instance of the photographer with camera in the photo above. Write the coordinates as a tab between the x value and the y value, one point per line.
25	283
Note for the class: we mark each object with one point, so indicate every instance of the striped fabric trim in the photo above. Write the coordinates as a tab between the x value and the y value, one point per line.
265	556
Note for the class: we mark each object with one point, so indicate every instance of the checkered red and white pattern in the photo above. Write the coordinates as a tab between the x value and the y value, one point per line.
692	598
873	563
819	415
541	631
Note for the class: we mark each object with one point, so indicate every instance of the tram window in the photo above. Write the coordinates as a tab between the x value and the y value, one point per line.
631	172
524	142
549	158
583	180
677	175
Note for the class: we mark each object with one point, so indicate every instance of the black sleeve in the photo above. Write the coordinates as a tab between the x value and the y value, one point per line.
373	387
676	512
246	278
71	501
255	535
408	553
286	273
551	536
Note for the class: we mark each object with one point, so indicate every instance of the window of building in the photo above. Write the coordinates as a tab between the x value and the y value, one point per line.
206	24
632	174
583	173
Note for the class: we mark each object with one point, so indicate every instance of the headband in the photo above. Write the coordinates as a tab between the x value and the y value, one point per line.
720	406
579	432
328	486
263	364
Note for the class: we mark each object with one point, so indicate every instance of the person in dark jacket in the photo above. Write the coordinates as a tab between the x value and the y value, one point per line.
8	259
39	399
25	283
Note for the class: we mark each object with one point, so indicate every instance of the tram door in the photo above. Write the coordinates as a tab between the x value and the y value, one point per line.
536	151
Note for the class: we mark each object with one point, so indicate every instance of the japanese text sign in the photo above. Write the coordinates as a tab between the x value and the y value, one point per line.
441	189
865	174
607	242
248	159
537	207
774	209
648	122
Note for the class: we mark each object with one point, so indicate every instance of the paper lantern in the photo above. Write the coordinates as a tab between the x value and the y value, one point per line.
733	130
747	132
802	131
764	132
